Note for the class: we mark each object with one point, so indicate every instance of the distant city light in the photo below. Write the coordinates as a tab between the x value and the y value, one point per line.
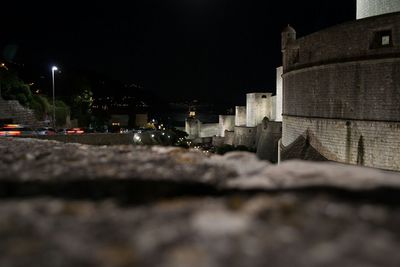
2	65
137	137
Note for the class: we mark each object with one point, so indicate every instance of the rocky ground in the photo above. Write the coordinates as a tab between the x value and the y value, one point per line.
76	205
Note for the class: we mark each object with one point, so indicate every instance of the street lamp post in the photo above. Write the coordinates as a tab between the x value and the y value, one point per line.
53	69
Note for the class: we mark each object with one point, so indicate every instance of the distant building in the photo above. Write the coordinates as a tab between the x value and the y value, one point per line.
256	126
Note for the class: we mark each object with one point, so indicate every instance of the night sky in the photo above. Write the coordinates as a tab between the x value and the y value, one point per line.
212	50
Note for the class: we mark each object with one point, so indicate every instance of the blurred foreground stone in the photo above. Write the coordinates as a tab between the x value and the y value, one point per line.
77	205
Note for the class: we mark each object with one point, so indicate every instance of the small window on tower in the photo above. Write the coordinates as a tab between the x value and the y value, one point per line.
386	40
382	39
264	96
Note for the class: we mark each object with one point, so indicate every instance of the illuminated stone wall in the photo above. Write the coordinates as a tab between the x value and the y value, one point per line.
369	8
226	123
342	91
209	129
279	94
259	105
240	116
369	143
192	128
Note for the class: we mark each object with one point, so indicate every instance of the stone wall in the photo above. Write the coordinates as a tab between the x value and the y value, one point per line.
226	123
218	141
279	93
342	89
229	138
350	41
14	111
369	8
355	90
259	105
245	136
368	143
209	129
192	127
240	116
267	146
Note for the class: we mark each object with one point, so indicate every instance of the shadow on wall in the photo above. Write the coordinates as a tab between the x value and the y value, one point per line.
301	149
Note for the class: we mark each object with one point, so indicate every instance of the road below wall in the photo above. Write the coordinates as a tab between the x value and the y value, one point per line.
68	204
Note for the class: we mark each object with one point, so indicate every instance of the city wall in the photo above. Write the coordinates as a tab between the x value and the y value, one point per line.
342	91
369	143
368	8
14	111
226	123
367	90
347	42
245	136
259	105
279	93
240	116
270	132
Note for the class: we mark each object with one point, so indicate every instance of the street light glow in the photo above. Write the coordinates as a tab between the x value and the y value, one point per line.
53	69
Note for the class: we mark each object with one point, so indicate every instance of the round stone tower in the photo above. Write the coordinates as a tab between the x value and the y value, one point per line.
370	8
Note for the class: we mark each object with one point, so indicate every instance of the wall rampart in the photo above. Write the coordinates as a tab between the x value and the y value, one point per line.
226	123
240	116
351	41
209	129
369	8
369	143
245	136
368	90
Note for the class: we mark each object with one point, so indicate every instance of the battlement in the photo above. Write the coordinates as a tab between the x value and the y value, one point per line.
369	8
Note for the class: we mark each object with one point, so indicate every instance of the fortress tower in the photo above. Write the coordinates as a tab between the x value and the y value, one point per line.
341	90
370	8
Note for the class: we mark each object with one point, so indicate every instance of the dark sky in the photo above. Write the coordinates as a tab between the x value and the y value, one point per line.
180	49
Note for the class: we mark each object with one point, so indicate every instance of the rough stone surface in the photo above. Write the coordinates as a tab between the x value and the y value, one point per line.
341	90
240	116
369	8
78	205
12	110
258	106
